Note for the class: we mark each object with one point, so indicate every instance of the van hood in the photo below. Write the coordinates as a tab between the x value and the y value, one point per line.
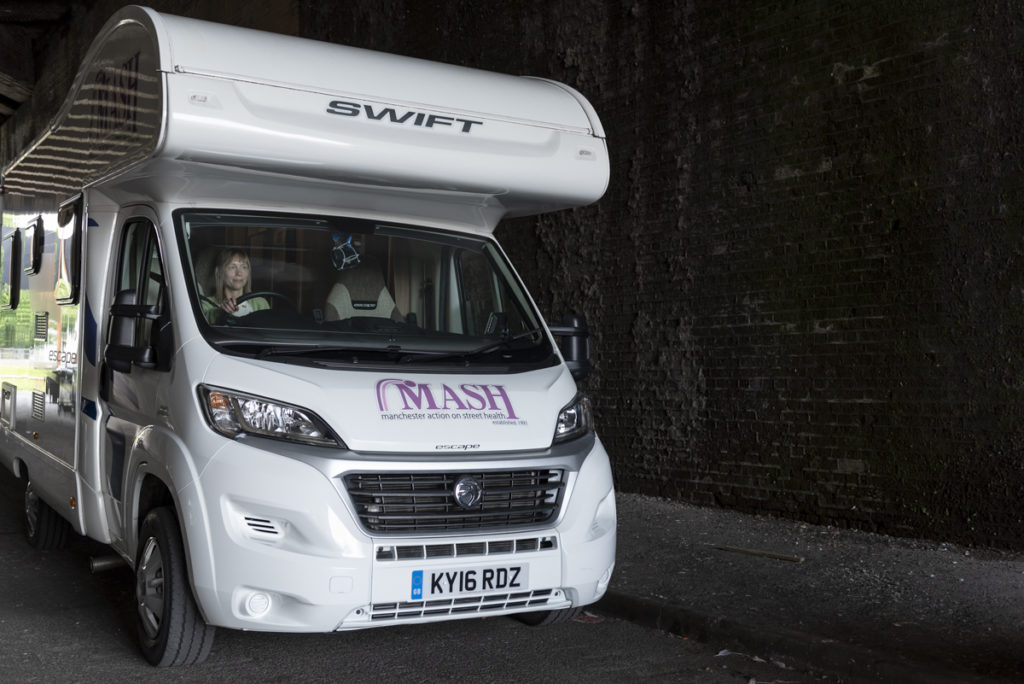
405	412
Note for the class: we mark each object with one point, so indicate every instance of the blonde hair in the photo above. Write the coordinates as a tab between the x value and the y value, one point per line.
223	259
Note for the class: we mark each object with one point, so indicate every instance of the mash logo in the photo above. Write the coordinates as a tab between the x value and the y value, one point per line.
401	399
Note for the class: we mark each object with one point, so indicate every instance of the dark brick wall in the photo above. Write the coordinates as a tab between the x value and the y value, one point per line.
806	278
805	281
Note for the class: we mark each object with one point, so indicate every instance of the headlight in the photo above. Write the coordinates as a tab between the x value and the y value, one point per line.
575	420
233	414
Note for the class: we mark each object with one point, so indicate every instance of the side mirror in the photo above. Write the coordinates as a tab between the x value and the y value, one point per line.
574	343
121	352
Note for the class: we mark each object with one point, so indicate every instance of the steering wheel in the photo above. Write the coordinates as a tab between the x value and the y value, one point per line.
267	293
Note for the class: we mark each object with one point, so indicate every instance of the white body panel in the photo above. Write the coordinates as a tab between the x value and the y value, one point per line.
157	87
209	116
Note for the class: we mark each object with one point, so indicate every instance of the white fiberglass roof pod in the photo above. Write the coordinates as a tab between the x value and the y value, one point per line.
161	96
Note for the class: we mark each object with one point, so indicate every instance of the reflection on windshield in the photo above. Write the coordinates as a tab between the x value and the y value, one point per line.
287	287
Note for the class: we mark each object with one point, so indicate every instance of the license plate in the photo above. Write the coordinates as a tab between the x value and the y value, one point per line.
441	583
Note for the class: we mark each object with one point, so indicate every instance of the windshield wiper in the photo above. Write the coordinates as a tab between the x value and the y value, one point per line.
503	343
394	351
309	349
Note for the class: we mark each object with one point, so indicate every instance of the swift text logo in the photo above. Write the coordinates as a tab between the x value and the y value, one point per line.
401	117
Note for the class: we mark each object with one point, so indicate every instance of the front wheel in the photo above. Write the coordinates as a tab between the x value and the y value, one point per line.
549	617
171	629
45	529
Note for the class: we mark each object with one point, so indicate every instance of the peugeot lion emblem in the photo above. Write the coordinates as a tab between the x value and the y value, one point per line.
468	492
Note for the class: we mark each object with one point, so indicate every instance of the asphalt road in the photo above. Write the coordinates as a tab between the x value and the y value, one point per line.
61	623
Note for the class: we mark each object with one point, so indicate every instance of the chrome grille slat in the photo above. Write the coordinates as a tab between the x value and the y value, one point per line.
543	511
437	504
402	503
417	493
465	549
483	603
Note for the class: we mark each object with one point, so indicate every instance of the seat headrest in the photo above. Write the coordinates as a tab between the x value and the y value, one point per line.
365	281
204	266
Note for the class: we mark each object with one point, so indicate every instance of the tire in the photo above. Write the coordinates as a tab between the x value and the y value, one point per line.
171	630
549	617
45	529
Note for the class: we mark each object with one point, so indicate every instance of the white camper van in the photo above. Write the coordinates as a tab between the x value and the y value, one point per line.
257	337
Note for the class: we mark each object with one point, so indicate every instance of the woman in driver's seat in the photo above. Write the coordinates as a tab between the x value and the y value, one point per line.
233	276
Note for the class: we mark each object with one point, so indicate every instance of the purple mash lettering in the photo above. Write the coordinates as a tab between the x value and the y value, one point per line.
402	399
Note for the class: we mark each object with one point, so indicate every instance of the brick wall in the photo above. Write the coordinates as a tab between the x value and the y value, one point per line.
805	281
806	278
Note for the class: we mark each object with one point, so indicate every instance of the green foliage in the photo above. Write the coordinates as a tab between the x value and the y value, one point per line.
17	327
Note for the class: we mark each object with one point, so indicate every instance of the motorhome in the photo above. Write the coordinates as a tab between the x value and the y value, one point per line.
257	337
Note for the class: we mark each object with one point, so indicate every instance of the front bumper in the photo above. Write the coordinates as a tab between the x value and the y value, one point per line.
281	548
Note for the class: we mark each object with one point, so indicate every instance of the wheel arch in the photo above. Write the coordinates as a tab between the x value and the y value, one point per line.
161	476
152	493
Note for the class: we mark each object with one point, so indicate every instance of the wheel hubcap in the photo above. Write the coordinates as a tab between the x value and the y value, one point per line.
149	587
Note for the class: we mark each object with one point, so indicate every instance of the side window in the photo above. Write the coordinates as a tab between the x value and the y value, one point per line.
153	288
487	308
142	273
132	253
139	325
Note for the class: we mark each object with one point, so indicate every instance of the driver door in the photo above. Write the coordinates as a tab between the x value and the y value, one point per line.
135	375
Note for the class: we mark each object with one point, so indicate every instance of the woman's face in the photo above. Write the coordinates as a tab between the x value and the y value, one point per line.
236	273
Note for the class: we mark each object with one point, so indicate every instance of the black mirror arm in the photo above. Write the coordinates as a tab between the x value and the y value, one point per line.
574	344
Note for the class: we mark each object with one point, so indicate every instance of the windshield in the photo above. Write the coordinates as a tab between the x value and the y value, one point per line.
336	290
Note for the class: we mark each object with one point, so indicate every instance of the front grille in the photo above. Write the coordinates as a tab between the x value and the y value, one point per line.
461	605
403	503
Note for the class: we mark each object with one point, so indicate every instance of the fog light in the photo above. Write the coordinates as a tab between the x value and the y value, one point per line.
257	604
